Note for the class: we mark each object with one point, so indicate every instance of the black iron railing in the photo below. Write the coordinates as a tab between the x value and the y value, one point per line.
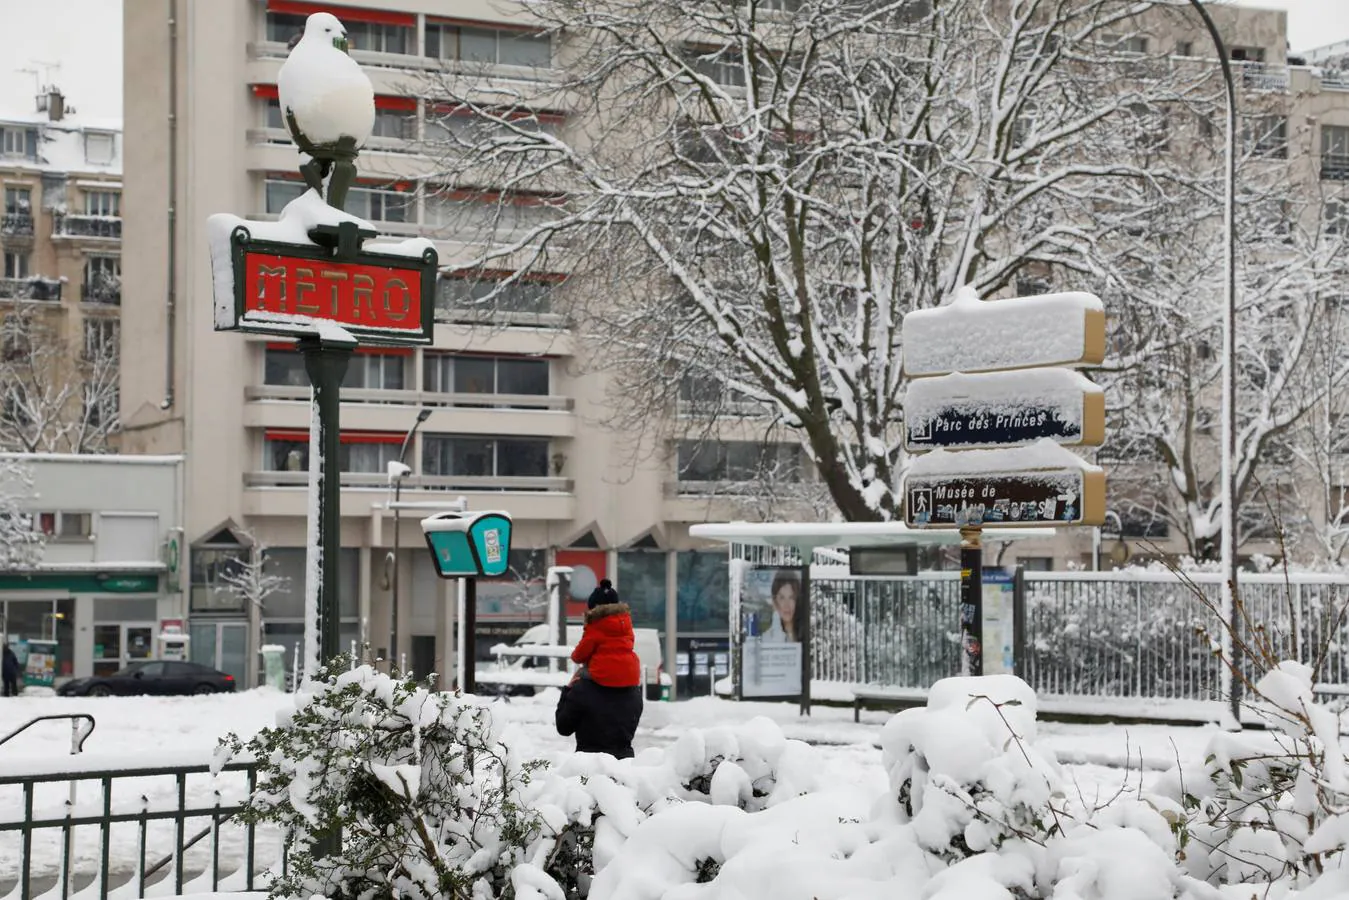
156	863
38	288
14	224
109	293
67	225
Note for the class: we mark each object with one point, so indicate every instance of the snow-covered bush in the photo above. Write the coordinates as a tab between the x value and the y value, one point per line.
427	797
1266	807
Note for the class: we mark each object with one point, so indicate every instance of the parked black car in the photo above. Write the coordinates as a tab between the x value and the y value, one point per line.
160	678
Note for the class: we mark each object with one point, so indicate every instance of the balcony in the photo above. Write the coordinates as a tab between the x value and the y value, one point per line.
96	227
286	494
278	406
1263	77
35	288
104	293
1334	80
16	225
1335	166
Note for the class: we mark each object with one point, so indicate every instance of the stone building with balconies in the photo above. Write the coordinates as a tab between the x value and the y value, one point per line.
60	294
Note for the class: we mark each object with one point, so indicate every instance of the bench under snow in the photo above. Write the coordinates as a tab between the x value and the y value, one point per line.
550	651
531	677
881	694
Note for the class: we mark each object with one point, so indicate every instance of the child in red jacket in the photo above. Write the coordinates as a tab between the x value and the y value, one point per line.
606	647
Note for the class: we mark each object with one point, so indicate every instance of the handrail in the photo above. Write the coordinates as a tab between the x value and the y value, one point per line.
78	742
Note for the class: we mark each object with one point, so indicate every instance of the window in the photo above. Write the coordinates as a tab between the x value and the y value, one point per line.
99	148
101	338
284	367
272	115
1266	136
379	205
1142	523
281	27
737	461
65	526
373	371
479	457
725	67
703	393
210	591
379	37
1184	48
361	452
16	264
100	404
1335	152
21	142
18	201
1036	563
485	214
490	46
103	279
451	125
279	193
1335	217
450	374
400	124
102	203
1246	54
532	295
15	410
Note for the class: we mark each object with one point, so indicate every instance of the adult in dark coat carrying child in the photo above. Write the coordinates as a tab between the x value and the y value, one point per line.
603	703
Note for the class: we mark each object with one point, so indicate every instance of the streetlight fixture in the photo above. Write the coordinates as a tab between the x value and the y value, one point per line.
1229	375
397	473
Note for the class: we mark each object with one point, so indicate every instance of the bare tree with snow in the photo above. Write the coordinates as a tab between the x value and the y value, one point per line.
21	542
753	193
249	578
57	395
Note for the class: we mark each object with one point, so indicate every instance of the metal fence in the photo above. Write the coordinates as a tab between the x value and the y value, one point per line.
164	830
1137	634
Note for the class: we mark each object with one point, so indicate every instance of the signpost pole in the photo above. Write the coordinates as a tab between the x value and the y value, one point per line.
971	602
326	364
803	615
470	630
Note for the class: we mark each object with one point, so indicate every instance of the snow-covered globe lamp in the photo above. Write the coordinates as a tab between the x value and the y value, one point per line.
328	104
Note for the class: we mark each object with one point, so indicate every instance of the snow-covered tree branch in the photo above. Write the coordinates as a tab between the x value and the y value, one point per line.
753	194
21	543
57	395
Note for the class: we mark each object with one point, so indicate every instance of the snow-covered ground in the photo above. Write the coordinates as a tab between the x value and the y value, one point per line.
148	731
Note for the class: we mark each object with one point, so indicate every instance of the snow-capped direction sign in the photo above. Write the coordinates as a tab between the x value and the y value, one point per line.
469	545
1000	409
1042	484
973	335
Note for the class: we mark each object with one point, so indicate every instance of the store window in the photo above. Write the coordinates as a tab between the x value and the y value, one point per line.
361	452
704	591
641	585
448	373
42	620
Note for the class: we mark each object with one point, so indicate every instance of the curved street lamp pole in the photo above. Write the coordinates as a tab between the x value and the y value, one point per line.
1231	634
422	416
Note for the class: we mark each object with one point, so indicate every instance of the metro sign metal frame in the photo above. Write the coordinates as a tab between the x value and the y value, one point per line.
351	264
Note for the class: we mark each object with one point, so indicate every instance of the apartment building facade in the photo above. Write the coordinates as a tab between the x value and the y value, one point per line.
511	420
60	294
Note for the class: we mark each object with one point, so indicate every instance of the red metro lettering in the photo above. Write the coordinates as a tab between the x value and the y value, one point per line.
346	293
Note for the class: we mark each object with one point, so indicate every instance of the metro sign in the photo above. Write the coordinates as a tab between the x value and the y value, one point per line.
282	289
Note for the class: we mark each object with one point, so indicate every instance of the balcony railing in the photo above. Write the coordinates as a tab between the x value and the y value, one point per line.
380	482
104	227
1335	166
101	292
35	288
1335	79
1263	77
409	61
16	224
415	398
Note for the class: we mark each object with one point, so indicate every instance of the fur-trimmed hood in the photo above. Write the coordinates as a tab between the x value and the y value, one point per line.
606	609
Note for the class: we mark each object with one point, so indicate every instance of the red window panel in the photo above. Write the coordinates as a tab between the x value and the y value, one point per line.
382	101
516	198
355	14
503	274
380	183
474	23
347	437
458	109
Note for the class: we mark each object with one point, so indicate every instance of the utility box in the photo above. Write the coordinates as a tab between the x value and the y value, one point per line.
469	544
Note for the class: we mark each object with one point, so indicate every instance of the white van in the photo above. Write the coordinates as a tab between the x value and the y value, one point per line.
646	643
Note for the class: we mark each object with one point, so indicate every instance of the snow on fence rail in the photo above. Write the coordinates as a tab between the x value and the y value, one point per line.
1131	633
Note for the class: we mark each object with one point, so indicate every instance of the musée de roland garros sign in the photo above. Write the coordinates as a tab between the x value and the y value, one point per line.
377	297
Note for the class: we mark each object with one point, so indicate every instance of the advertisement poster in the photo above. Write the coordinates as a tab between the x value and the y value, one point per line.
588	568
771	632
999	622
40	667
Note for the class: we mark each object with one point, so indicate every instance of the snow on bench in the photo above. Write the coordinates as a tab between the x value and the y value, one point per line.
532	677
883	694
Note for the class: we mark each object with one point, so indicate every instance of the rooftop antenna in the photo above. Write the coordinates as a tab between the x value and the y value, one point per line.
41	71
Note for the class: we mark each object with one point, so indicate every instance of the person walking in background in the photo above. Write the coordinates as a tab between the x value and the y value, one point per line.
9	669
602	705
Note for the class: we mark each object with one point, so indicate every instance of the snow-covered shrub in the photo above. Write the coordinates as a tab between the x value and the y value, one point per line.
1268	806
965	771
751	766
428	799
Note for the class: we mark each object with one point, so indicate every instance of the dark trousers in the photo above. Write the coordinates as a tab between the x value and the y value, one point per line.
11	686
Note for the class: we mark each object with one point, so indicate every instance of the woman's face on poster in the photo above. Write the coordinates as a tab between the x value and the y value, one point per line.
784	601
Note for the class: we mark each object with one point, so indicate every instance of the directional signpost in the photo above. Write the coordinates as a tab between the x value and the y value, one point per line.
992	404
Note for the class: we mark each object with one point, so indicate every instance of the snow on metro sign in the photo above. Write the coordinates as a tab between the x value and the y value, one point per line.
289	288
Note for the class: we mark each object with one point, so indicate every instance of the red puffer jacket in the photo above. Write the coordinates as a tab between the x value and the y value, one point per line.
606	647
